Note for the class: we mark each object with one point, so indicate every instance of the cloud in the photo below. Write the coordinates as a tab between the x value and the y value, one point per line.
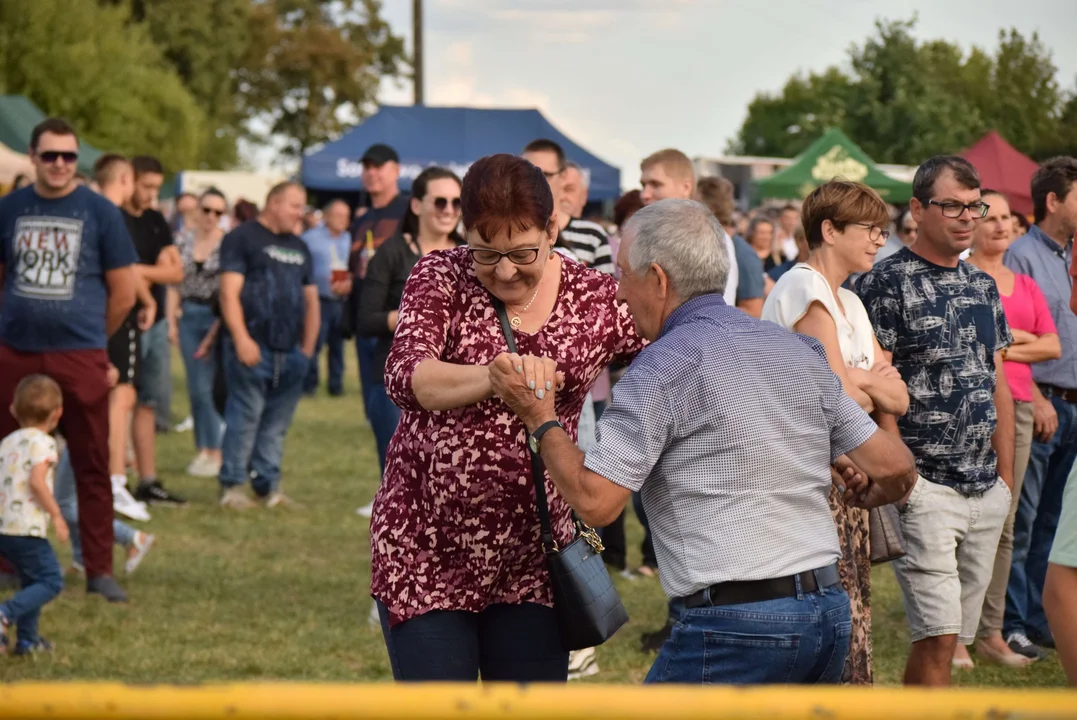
458	85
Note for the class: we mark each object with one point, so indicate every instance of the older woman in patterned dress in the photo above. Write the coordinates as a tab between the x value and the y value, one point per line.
458	569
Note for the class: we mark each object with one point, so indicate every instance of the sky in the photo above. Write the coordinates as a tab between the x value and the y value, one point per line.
624	78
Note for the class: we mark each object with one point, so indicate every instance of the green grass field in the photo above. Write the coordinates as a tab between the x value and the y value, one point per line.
283	595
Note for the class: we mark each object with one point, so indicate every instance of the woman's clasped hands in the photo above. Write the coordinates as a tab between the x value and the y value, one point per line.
527	383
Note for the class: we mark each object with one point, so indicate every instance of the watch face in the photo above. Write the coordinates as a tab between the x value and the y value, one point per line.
533	443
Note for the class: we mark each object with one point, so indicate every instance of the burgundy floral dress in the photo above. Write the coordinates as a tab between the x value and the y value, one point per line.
454	524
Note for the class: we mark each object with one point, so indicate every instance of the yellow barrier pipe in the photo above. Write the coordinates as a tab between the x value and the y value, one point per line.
282	701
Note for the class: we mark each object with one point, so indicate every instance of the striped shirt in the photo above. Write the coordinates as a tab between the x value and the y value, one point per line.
589	243
727	425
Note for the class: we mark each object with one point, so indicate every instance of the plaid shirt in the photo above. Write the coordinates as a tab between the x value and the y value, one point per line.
728	425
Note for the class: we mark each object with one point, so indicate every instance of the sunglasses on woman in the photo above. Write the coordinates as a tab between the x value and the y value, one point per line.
440	204
212	211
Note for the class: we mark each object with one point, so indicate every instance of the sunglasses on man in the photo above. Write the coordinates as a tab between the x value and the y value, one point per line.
49	157
212	211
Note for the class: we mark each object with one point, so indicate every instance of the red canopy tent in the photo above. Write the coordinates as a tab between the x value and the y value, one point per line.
1004	168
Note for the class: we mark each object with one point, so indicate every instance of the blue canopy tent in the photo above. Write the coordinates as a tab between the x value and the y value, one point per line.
450	137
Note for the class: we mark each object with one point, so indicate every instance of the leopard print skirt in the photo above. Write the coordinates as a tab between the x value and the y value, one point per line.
855	569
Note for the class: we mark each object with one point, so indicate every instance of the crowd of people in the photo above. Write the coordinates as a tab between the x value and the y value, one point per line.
931	369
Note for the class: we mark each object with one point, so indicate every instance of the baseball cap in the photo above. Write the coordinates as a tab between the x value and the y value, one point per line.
379	154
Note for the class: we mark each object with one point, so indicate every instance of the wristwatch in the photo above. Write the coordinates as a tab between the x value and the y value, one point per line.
535	440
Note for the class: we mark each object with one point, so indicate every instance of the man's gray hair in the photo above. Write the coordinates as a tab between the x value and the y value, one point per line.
585	177
683	238
335	201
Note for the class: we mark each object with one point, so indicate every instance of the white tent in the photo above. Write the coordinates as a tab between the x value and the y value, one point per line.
236	185
12	164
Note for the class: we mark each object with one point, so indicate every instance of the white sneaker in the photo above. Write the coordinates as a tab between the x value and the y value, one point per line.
142	544
582	663
235	499
204	466
366	511
279	499
124	502
186	426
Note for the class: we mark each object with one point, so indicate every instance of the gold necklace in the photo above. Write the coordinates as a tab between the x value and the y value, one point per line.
516	322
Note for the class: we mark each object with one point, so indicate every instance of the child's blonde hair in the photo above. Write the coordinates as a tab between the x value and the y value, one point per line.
36	398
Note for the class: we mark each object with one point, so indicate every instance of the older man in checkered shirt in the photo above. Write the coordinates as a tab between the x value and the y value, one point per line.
728	426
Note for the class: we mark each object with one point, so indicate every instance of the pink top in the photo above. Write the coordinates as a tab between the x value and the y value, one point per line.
1026	309
454	524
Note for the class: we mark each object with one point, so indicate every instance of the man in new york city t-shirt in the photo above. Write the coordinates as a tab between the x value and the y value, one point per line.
66	268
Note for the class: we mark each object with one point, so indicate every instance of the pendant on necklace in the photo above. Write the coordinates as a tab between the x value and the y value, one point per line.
516	322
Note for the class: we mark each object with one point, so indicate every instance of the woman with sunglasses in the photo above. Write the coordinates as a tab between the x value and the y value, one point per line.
844	222
429	225
190	319
458	569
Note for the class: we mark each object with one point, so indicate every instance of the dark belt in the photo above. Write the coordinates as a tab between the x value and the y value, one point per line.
336	299
1052	390
751	591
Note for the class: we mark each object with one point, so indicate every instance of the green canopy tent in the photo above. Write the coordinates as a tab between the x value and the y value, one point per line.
831	156
18	116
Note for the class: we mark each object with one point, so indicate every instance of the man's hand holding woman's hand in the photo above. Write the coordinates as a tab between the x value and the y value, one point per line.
528	385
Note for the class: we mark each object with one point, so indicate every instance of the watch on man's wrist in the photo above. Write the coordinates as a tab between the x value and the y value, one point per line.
534	441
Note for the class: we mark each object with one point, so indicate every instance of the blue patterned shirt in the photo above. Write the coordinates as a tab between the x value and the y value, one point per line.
943	326
728	425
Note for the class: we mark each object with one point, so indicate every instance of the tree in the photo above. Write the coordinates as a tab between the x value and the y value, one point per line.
204	41
313	68
903	101
111	83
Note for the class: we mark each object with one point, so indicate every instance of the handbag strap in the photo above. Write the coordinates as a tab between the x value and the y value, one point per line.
538	469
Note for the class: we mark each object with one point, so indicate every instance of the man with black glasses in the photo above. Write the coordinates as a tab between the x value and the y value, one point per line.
68	282
940	322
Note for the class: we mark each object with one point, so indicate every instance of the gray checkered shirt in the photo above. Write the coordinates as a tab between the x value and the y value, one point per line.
728	425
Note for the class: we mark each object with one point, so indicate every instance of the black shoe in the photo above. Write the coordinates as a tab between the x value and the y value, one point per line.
1020	644
107	587
1044	641
653	641
153	493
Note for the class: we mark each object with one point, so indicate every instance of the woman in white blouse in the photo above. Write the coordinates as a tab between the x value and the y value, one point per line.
845	224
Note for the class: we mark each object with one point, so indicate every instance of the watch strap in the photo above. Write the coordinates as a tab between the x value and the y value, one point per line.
545	428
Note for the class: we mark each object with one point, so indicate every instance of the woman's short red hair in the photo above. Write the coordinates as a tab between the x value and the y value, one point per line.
504	193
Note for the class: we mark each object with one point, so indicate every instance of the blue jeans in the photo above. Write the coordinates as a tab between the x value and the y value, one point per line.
196	321
261	402
1034	526
509	643
66	497
794	640
368	374
383	416
41	579
332	336
155	386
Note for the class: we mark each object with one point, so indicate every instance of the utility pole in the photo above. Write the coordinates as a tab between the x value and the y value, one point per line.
417	40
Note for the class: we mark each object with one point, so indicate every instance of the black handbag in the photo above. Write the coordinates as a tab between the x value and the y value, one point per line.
589	610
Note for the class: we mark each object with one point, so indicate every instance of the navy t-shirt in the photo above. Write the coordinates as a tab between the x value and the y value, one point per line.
276	268
55	254
943	326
